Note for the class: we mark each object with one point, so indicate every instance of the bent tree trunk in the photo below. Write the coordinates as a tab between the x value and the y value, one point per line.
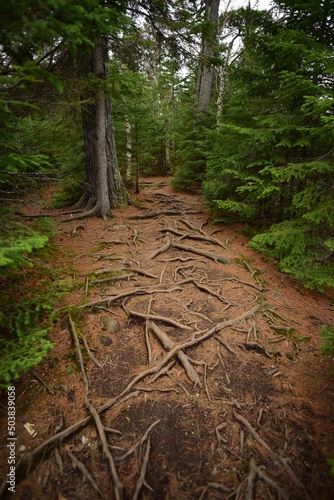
104	185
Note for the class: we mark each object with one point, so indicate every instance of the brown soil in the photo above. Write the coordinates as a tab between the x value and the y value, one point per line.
257	420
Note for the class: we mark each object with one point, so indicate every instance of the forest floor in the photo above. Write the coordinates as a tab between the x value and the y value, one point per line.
207	380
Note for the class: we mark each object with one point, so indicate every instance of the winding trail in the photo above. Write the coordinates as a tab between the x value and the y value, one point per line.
196	359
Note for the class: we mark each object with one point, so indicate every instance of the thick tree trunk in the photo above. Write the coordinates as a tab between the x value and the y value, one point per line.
104	185
205	68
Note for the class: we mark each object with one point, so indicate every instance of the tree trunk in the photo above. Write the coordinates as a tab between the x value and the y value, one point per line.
205	68
104	185
128	174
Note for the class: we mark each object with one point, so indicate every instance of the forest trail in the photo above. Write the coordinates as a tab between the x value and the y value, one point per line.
204	378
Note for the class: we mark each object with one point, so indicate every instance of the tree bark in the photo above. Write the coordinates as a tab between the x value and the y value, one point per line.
104	185
205	68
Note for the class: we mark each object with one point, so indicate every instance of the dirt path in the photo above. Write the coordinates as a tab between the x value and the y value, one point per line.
207	380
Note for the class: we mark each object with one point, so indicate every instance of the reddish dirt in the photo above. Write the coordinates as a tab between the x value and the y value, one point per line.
263	391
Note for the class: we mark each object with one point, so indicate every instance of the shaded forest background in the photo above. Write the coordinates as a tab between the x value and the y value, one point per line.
234	103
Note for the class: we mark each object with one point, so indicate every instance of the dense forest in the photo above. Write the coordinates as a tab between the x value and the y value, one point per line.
237	104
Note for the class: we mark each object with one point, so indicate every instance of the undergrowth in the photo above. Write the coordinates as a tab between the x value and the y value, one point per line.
26	312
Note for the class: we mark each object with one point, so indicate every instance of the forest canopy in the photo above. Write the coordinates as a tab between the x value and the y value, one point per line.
234	103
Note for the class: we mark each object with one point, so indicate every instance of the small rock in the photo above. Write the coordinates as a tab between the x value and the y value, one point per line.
22	448
110	325
105	340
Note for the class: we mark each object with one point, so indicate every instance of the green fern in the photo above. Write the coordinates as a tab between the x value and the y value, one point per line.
18	356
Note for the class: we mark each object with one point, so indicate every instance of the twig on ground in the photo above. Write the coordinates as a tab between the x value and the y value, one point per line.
34	374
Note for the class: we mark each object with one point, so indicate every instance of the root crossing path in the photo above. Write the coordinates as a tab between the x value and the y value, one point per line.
187	368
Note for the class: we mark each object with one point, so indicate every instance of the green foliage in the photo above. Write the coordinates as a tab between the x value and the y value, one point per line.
19	355
25	325
330	462
327	335
17	240
271	160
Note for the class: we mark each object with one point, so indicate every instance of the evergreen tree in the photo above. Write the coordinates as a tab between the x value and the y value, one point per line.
272	158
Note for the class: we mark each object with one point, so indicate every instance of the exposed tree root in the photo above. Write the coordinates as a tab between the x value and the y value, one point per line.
78	351
185	345
118	487
85	473
159	318
197	237
160	250
256	471
159	213
282	461
90	354
184	360
215	257
130	269
139	443
141	481
113	298
94	212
